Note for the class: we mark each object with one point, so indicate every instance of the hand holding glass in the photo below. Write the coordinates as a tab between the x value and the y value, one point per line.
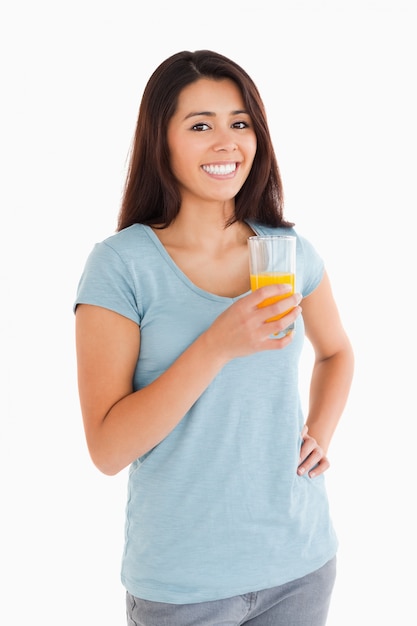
272	261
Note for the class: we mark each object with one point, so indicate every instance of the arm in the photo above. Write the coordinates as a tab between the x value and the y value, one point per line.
121	424
331	376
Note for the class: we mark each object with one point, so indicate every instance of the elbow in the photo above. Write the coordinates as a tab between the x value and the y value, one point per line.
341	361
346	354
350	357
346	363
107	464
108	470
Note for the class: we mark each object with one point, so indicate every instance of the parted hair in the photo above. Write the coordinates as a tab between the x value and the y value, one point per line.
151	194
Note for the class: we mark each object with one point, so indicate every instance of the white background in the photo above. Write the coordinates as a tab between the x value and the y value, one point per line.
338	81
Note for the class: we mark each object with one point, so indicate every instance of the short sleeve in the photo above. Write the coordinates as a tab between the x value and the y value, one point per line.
106	281
310	267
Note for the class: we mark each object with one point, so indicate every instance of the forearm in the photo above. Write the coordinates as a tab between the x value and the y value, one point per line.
140	420
330	385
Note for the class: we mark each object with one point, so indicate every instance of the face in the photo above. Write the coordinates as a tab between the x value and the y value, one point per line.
211	140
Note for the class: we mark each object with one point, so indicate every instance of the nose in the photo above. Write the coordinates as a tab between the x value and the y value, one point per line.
225	142
230	147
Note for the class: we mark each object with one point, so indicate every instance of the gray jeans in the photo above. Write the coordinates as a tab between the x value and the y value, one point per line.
301	602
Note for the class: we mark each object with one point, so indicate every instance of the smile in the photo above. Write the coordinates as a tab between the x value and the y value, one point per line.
226	168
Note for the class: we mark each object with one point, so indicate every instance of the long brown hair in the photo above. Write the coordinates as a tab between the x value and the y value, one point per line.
151	194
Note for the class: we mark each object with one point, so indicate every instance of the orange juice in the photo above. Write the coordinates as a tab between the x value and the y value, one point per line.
273	278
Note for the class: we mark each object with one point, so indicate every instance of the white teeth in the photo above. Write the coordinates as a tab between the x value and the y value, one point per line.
227	168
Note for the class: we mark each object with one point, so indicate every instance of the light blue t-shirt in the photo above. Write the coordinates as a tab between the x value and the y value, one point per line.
217	508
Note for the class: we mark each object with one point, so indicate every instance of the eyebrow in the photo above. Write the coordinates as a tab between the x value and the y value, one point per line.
212	114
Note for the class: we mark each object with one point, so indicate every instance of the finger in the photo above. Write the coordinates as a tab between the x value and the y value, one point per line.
270	291
308	447
275	303
314	465
320	468
272	342
276	326
274	306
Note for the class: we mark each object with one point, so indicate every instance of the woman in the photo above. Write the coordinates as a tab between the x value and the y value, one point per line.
182	379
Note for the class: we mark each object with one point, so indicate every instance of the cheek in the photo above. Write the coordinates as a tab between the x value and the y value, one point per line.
173	151
253	144
183	166
250	153
184	157
179	165
176	158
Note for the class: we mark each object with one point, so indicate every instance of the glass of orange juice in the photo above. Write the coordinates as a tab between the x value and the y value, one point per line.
271	261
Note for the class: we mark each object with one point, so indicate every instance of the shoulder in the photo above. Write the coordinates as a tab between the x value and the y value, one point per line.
109	277
127	239
131	247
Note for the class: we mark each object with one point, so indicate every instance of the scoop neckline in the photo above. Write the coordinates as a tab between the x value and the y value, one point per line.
178	271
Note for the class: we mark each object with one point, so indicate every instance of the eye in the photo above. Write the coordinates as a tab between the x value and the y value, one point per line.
200	127
240	125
